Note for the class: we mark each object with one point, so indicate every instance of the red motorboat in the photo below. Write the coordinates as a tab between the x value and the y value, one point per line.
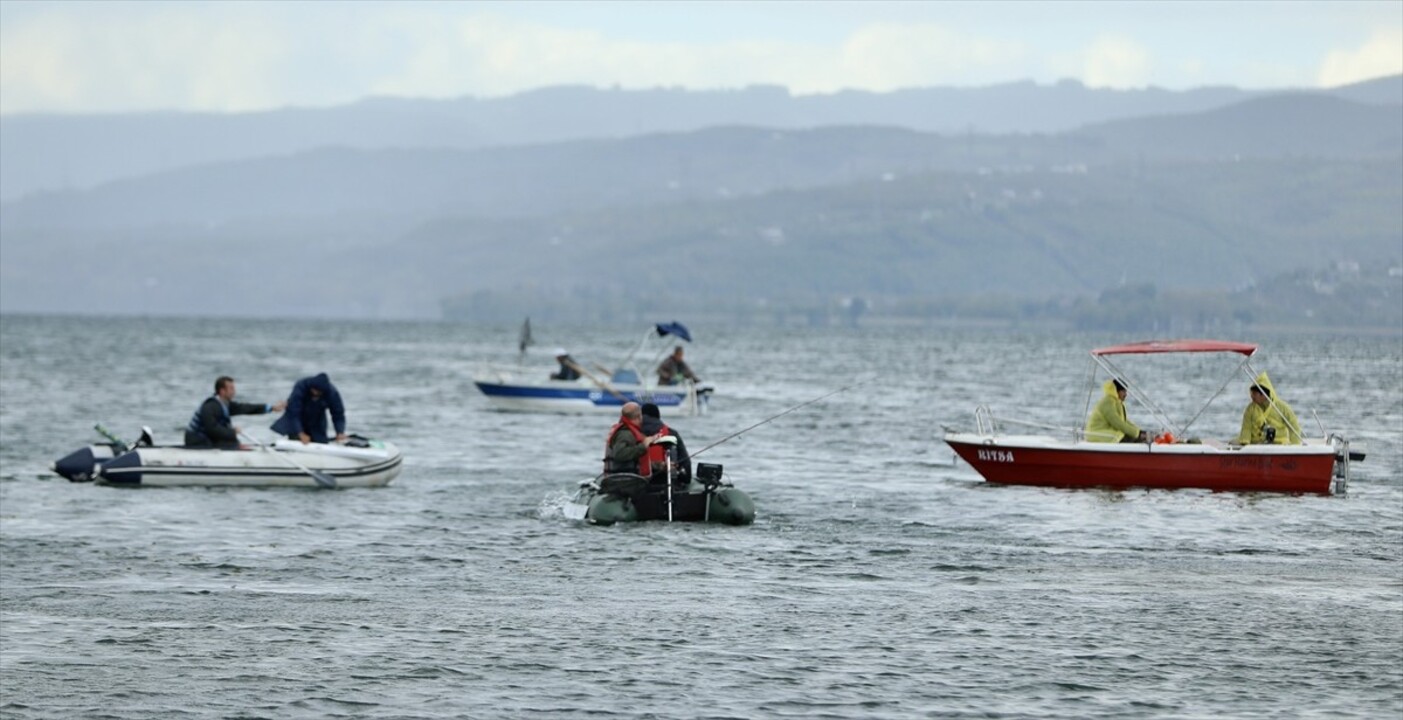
1165	460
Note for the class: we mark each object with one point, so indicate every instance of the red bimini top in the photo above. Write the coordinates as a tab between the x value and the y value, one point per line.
1177	346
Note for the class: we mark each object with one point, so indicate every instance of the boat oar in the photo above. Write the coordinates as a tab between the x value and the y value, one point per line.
323	479
603	385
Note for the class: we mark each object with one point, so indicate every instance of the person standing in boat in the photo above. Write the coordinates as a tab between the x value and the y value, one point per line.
212	424
1268	419
568	366
626	447
1108	422
311	399
672	368
652	424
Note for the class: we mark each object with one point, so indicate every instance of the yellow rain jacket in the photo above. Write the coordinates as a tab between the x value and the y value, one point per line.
1107	422
1276	414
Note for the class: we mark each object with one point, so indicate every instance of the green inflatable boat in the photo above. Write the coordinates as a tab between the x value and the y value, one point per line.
625	497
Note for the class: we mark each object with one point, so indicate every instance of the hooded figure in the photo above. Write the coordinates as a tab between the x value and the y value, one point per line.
307	406
1268	419
1107	422
652	424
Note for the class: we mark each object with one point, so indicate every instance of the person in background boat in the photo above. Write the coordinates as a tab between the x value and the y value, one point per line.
626	447
567	366
1268	419
652	424
672	367
212	424
311	399
1108	422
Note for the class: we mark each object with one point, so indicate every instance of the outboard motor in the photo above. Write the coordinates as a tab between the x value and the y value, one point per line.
84	464
709	474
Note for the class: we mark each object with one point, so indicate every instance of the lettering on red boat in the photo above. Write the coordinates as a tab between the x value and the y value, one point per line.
1259	463
1005	456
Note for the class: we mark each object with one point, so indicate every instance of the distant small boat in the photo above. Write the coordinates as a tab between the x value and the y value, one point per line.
1318	465
507	390
516	389
361	462
625	497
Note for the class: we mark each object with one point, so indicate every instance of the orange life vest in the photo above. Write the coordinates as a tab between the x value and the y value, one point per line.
645	463
657	454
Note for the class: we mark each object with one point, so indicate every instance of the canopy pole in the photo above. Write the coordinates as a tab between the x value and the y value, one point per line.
1201	410
1135	392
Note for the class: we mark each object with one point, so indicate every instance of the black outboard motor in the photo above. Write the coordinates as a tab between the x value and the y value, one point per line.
709	475
84	464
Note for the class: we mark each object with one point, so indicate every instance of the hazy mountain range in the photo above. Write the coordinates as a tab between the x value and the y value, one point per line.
699	200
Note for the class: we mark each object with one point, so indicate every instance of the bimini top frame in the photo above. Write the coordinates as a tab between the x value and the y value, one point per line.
1101	358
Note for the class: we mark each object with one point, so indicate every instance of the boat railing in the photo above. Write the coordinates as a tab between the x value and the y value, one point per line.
1341	445
986	423
501	372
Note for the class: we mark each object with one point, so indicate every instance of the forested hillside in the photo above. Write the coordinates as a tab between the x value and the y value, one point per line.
844	223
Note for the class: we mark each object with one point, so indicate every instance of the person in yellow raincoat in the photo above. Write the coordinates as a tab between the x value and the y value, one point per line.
1107	422
1268	419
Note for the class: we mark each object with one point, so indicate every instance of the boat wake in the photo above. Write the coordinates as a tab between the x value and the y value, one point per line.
552	506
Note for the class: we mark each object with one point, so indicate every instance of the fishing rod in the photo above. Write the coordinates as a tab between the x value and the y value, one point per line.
776	417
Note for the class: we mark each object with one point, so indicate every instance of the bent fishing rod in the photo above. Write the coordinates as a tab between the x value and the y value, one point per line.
778	416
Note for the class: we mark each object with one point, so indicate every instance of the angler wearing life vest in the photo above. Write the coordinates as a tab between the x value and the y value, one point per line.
211	425
626	447
652	424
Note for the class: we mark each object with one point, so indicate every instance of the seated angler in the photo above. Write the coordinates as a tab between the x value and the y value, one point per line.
626	447
652	424
1107	422
1268	419
672	368
211	425
569	369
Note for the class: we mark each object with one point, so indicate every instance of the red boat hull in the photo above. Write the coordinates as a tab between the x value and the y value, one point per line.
1149	466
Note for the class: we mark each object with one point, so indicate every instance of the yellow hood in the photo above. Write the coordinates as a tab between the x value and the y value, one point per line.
1265	382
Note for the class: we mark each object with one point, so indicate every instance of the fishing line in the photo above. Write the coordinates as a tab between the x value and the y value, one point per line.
780	415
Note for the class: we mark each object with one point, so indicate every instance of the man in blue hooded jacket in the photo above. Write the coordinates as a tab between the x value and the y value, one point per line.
305	419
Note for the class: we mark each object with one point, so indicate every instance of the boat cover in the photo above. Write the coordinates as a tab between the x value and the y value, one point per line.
1177	346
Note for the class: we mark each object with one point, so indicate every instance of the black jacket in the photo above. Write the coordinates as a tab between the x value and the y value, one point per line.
209	426
682	461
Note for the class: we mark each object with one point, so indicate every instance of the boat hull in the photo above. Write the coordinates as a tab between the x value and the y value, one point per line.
637	503
1032	460
577	397
274	466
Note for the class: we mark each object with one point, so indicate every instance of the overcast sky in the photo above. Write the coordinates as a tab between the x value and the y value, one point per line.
77	57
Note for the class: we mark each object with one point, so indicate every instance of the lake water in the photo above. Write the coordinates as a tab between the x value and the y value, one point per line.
880	579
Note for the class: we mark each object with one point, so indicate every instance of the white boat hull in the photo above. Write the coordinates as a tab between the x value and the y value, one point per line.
270	466
584	396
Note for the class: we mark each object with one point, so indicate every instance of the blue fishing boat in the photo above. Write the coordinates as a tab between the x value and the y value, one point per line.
596	389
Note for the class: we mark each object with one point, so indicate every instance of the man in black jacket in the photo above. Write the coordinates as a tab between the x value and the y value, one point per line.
211	425
652	424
